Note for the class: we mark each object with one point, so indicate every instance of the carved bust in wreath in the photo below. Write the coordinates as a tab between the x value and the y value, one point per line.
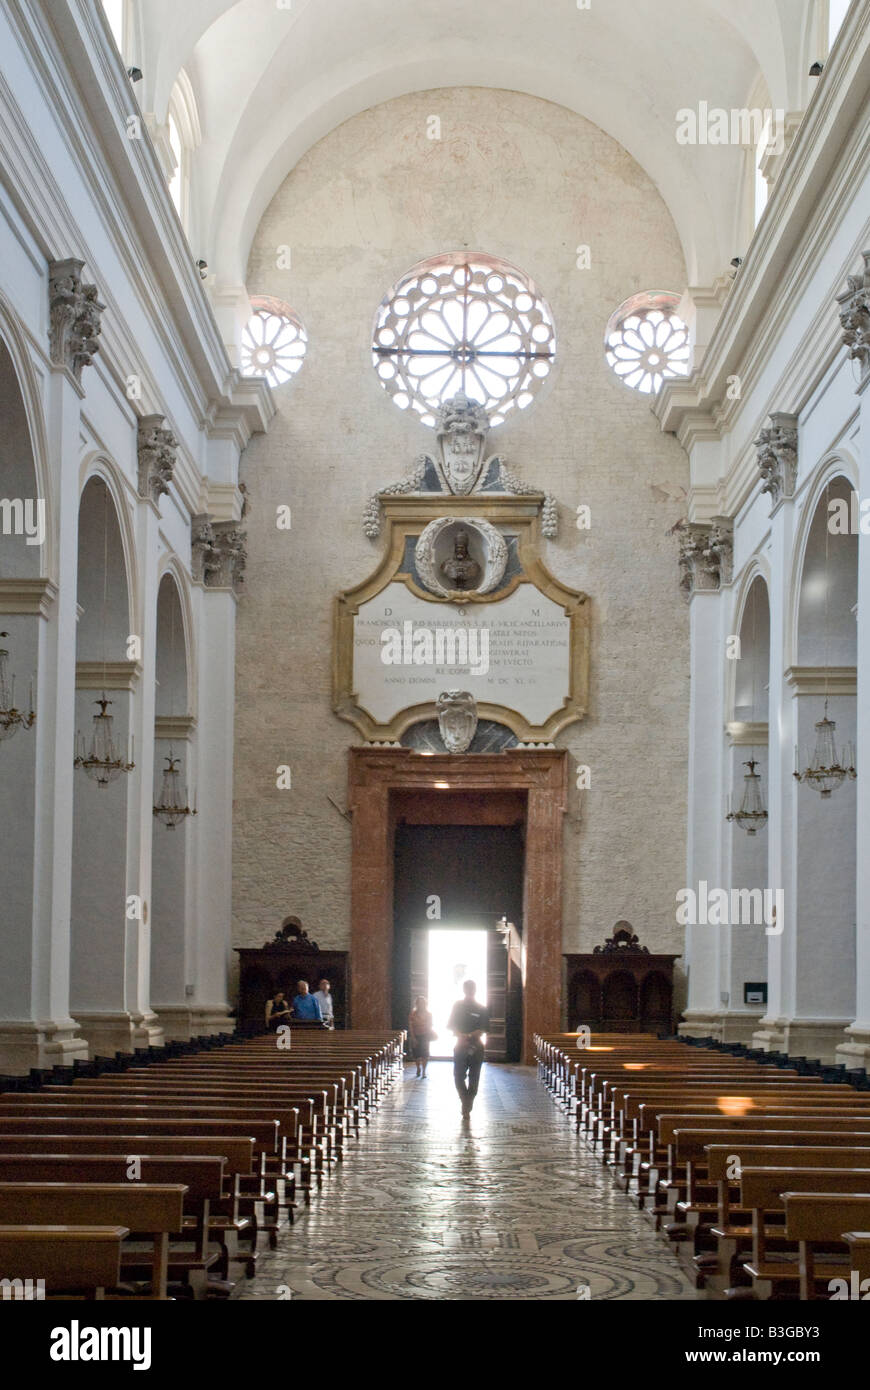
460	570
292	933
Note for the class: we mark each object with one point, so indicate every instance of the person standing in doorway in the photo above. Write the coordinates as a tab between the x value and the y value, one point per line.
469	1020
420	1034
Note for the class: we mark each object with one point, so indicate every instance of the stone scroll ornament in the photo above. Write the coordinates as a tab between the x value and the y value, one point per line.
854	313
457	719
157	450
74	317
460	466
777	456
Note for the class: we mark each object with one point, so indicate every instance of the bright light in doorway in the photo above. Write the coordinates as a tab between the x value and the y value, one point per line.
454	957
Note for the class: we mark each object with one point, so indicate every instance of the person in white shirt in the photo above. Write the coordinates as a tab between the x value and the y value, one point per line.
324	998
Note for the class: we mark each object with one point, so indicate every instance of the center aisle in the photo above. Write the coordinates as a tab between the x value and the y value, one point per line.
510	1206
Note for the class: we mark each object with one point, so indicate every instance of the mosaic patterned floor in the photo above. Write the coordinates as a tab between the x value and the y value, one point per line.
510	1205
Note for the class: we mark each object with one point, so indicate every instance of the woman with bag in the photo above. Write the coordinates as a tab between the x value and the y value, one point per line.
420	1034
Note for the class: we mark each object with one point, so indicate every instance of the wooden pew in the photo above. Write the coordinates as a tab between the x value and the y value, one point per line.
761	1192
150	1210
83	1260
859	1253
818	1223
203	1178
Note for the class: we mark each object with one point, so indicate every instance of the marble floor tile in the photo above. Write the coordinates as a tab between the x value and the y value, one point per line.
509	1205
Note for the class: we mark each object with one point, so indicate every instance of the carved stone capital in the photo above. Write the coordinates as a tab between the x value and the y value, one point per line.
854	312
706	555
203	561
218	554
721	546
777	446
74	325
231	554
157	450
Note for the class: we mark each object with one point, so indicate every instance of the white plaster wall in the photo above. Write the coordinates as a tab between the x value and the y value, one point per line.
529	181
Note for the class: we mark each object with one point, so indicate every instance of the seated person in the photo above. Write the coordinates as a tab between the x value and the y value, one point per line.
305	1006
277	1011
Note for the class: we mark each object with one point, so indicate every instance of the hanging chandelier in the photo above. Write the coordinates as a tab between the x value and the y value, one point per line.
752	812
827	769
172	806
104	761
11	719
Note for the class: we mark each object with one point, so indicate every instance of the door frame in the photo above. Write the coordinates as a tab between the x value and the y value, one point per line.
374	775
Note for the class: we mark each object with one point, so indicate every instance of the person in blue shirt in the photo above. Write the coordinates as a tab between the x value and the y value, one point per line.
305	1006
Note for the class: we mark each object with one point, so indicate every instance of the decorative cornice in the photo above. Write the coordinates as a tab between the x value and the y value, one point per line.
74	317
777	447
107	675
218	554
706	555
827	163
32	597
157	451
178	727
822	680
747	734
854	312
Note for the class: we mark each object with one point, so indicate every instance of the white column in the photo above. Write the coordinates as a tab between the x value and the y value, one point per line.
146	1030
210	864
706	805
771	1035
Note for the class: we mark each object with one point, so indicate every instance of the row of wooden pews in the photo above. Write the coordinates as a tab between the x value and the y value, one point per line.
160	1175
755	1169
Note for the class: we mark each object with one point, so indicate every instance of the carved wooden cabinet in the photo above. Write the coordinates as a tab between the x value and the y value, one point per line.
620	987
265	969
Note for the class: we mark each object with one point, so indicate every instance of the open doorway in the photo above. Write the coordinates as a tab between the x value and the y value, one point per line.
452	957
458	916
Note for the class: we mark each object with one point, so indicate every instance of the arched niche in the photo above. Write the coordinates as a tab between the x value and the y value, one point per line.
23	545
824	682
585	1000
21	551
99	923
752	670
171	910
619	999
827	633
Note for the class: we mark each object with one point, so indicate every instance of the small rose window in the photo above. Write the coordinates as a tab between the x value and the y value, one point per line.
646	342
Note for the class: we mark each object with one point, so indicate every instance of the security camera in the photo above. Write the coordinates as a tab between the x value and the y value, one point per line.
202	267
134	74
816	69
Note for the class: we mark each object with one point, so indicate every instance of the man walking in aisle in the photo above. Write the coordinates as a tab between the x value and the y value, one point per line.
469	1020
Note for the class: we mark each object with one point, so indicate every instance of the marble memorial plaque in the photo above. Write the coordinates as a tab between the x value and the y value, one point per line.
515	653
